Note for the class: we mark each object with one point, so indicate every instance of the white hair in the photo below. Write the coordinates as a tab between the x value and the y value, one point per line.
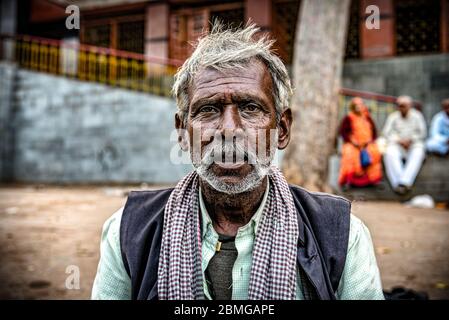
225	48
404	99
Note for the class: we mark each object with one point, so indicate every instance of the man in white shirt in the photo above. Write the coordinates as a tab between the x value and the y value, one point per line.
405	131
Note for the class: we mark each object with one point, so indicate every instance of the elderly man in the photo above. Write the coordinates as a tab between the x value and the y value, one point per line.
405	131
438	141
234	228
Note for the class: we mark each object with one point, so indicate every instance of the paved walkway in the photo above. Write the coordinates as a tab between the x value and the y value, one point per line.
48	233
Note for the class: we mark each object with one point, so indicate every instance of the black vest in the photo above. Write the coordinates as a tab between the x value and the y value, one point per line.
323	222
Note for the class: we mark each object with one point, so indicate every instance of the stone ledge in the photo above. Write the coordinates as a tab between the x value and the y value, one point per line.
433	179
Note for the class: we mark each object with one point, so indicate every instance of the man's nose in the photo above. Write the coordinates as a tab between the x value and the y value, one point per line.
230	119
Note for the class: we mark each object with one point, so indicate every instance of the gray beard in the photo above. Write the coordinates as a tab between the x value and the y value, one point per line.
249	182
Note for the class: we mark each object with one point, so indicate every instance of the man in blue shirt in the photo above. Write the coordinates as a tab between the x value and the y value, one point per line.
438	141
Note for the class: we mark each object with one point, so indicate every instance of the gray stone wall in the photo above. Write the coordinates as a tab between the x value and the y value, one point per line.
71	131
425	78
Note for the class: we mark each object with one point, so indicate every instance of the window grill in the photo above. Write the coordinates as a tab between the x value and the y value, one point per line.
131	36
417	26
97	35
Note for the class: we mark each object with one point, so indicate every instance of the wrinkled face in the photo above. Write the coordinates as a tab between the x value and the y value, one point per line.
404	107
232	129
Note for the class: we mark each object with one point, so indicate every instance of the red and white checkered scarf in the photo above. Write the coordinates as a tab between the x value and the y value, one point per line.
273	270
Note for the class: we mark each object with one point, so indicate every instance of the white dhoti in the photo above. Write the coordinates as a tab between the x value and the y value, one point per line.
398	172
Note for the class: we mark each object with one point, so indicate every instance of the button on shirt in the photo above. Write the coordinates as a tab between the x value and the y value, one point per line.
360	278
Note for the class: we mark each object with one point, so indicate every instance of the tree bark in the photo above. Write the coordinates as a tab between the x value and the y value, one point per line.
317	66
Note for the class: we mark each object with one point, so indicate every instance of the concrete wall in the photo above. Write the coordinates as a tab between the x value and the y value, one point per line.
425	78
72	131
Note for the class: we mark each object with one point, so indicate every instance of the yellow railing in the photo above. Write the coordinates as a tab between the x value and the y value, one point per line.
137	72
89	63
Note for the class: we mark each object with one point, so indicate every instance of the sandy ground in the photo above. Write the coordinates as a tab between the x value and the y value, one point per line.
47	234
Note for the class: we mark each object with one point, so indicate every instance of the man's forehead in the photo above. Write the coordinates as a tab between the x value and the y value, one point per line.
254	74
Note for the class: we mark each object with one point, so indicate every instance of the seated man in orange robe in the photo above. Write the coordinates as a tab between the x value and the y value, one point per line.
359	133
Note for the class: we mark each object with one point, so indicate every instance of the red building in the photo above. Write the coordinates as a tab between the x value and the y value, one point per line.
165	28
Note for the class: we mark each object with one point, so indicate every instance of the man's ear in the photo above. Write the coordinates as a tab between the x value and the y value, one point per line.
182	133
284	128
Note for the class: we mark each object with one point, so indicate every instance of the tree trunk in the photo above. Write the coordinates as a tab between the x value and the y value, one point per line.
317	64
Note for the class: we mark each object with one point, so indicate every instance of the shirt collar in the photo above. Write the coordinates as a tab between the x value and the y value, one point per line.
250	226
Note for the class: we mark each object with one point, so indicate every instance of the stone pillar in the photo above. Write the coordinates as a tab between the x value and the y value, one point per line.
376	43
157	30
260	12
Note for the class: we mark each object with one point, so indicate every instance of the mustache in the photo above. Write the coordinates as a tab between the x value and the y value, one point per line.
228	152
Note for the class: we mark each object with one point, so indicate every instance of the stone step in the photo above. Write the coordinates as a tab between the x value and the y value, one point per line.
433	179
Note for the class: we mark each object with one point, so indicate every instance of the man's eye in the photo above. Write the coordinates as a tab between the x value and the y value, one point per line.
250	107
208	109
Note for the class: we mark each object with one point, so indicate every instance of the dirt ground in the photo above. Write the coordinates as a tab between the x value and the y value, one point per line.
49	233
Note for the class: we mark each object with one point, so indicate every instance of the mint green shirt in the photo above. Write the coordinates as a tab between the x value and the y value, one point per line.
360	278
